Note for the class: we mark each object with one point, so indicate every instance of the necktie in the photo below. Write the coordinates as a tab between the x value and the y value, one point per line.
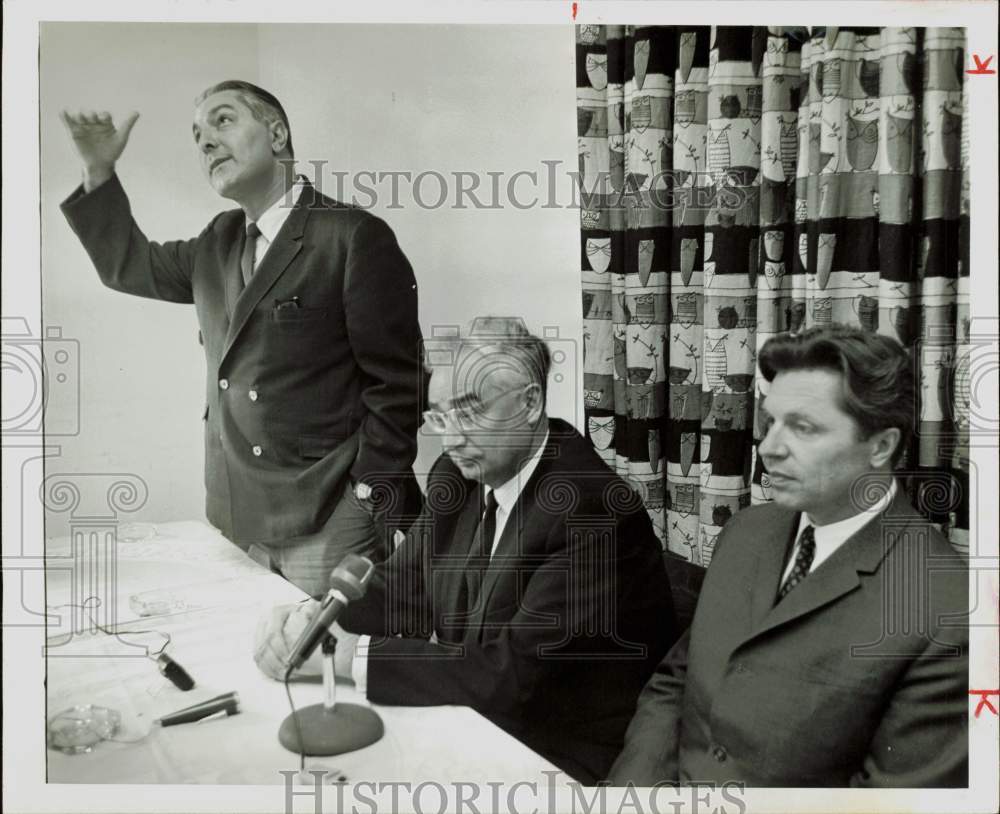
249	249
803	561
482	544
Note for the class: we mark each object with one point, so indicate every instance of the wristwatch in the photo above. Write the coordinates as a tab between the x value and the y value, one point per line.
362	491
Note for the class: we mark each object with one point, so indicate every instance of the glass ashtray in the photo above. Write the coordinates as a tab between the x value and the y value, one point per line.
135	532
77	730
156	603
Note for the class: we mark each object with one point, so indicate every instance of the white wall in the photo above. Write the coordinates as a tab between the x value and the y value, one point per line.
141	368
381	98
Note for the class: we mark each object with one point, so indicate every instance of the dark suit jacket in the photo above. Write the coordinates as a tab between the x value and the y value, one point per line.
574	612
320	393
859	677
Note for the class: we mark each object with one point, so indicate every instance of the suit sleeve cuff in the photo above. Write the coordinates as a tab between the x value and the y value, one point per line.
97	193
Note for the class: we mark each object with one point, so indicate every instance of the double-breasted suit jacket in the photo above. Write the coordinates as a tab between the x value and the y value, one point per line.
313	369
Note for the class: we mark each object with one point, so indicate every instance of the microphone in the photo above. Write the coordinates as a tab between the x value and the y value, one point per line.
228	703
348	582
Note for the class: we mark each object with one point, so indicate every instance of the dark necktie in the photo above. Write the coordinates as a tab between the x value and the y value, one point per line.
249	248
482	545
803	562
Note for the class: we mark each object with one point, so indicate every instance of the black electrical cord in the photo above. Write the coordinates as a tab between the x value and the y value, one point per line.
295	718
86	607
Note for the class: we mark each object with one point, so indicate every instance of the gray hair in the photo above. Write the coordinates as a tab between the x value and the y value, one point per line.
264	106
493	349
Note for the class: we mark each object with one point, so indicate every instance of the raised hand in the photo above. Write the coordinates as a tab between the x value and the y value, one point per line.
98	142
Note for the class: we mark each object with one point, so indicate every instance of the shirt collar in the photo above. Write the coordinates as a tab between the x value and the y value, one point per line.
842	530
508	493
271	221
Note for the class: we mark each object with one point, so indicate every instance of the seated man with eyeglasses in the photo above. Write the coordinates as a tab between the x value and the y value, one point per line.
531	588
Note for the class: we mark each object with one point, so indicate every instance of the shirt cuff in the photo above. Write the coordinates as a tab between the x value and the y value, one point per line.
359	664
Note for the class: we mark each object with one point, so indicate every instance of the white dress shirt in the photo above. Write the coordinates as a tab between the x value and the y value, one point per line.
271	221
506	497
508	493
833	535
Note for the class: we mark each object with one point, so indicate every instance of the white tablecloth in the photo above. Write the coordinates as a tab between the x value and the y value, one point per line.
209	596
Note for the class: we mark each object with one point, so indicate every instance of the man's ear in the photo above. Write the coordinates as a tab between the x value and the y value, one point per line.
534	402
279	136
883	445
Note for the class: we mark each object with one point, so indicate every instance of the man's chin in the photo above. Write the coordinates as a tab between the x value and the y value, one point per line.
467	466
224	181
223	187
784	496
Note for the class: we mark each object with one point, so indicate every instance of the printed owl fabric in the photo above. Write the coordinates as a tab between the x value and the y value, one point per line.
738	182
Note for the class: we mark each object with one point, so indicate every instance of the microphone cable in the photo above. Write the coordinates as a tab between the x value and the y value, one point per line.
295	718
96	602
169	668
81	727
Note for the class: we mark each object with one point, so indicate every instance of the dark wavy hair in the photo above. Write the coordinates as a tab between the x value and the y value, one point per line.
264	106
879	387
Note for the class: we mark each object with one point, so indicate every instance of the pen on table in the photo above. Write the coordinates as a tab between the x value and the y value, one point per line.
228	703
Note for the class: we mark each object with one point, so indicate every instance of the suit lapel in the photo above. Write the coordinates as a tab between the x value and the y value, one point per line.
287	244
770	563
834	578
453	581
509	550
863	552
514	542
234	275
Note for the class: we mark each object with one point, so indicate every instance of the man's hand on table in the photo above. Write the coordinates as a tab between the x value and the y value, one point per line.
279	629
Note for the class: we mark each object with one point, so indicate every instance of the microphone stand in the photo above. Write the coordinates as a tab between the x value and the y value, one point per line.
330	728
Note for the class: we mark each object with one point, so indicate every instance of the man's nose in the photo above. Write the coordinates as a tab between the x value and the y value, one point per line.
772	445
208	141
451	440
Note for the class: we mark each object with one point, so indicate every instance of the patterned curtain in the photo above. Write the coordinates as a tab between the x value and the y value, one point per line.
738	182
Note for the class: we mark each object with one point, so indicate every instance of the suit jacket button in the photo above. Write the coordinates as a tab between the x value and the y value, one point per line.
257	451
719	754
253	395
223	384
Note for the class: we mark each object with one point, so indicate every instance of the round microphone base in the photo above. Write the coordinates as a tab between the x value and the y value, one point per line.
344	728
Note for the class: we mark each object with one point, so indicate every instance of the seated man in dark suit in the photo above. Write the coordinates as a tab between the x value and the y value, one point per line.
830	642
532	588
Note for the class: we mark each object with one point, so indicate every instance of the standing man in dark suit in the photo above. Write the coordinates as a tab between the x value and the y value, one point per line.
308	317
532	588
830	642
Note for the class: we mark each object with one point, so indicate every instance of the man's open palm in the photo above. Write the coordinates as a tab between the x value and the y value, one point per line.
97	140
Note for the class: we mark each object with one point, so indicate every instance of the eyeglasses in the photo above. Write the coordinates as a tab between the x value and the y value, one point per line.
465	417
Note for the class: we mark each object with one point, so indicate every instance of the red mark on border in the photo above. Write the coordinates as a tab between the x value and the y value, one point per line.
984	700
981	69
574	17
